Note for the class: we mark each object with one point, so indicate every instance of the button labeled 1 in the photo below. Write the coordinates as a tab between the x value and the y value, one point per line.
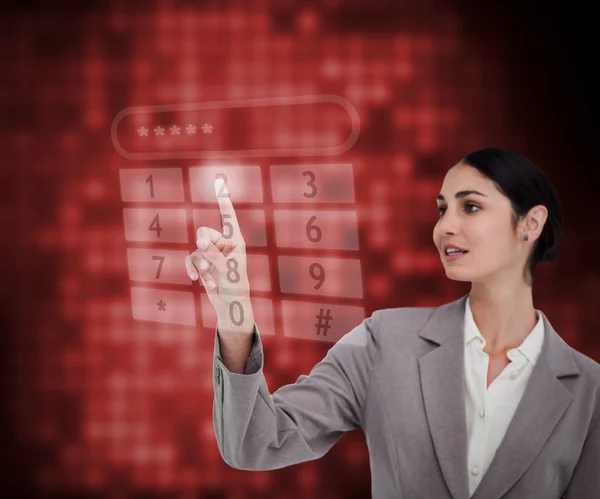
156	185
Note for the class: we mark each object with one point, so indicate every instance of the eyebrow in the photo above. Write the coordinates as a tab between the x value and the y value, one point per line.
460	194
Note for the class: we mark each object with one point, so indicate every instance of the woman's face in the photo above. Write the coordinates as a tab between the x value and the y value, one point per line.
480	223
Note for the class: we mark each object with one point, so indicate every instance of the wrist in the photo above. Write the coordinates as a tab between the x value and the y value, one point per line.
228	325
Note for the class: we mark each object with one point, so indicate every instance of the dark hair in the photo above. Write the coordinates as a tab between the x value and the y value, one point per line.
526	186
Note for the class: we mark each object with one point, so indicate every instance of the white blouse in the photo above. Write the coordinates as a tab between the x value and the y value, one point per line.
490	410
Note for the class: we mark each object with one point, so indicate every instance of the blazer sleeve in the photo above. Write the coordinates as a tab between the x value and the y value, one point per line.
299	422
585	480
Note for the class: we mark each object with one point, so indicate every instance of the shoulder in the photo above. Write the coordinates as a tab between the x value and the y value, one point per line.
389	327
590	369
587	386
387	323
390	318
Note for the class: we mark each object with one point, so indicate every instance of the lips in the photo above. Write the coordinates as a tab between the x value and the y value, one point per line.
453	256
452	246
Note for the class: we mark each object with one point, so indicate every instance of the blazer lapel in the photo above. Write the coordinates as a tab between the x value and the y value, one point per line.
442	384
544	401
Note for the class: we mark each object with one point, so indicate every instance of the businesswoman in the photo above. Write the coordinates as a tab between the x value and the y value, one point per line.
478	398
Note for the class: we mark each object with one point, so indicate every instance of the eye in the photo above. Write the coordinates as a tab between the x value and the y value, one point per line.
467	207
471	205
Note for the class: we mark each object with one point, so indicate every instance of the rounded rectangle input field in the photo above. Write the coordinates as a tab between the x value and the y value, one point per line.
244	183
306	125
322	229
252	224
312	183
320	276
262	308
165	225
161	305
319	321
156	185
157	265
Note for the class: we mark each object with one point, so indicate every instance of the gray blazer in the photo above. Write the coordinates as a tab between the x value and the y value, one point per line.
399	376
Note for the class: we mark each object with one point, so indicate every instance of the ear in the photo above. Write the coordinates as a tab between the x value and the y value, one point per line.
533	223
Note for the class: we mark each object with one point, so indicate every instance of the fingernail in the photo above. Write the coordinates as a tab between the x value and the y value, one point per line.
194	276
202	243
203	264
210	285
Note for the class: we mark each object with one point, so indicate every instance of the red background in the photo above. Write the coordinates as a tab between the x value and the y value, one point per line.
96	404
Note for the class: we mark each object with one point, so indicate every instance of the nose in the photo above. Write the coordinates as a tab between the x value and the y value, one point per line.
448	223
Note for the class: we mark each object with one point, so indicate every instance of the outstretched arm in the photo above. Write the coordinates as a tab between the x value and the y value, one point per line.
257	430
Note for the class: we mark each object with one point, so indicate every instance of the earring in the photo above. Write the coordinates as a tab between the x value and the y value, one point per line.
525	237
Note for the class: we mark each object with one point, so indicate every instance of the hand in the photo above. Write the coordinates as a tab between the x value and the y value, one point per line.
220	262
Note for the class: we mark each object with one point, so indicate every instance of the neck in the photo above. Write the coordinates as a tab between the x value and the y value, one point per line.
504	316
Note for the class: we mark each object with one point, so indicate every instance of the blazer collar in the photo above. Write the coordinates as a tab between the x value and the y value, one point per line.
442	378
531	346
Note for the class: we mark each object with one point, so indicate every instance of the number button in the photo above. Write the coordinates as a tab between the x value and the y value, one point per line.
312	184
155	225
335	277
252	224
323	229
244	183
159	266
157	185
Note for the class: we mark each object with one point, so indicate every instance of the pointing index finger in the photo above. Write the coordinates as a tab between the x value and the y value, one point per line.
228	216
